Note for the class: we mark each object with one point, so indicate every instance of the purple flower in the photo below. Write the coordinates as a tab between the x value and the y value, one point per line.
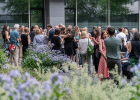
132	69
4	66
14	73
123	81
57	79
5	78
67	90
27	74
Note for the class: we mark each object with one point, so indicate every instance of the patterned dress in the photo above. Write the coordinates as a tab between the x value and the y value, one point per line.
102	68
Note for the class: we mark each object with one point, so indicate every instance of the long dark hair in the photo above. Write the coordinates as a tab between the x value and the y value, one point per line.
4	29
32	28
69	32
98	34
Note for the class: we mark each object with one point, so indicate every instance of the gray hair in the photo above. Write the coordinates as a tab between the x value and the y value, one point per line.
135	29
16	26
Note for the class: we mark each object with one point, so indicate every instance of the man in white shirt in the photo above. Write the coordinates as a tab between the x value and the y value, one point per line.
122	35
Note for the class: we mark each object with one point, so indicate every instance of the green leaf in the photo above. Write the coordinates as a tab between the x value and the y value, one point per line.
3	94
137	87
10	97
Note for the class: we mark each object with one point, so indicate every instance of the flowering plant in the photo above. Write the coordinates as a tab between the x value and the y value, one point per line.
21	86
43	53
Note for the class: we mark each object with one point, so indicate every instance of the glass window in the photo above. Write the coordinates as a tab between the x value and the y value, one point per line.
69	17
91	13
36	17
13	12
69	12
36	3
124	13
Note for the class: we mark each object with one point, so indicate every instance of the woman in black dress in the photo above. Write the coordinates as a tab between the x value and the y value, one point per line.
5	35
56	40
69	50
25	39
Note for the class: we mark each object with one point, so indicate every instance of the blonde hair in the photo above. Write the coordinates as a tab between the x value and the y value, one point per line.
26	29
37	31
85	29
76	30
83	34
125	31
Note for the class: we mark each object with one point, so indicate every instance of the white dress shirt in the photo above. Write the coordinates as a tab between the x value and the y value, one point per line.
122	35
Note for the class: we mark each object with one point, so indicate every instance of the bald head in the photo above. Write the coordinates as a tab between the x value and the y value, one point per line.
134	30
56	27
60	25
36	27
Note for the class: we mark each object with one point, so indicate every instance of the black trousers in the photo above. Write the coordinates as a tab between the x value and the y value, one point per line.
111	65
96	59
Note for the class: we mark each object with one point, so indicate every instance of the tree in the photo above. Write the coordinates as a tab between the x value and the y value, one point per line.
98	9
20	8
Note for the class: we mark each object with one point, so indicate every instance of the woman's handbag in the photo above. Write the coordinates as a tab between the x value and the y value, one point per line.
98	54
5	46
75	45
90	50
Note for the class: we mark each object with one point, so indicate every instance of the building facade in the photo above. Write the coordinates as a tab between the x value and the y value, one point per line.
84	13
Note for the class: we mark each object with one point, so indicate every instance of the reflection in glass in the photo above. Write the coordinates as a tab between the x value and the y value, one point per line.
36	17
89	12
36	3
69	17
124	13
13	12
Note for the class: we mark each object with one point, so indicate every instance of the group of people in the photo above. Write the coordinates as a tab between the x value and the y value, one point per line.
109	45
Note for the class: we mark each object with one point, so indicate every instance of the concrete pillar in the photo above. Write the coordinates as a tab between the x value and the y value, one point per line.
55	12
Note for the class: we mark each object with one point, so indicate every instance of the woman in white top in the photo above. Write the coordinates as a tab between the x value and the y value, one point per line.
83	45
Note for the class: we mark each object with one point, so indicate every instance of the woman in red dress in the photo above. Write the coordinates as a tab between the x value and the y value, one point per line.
103	71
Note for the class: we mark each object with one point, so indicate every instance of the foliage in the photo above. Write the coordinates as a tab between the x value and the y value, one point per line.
19	85
20	8
94	10
43	55
82	86
117	7
3	58
136	82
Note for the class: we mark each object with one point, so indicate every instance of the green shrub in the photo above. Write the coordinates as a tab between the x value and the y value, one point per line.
3	58
83	86
48	58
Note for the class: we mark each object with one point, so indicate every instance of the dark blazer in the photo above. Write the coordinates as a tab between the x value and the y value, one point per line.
92	33
32	35
51	34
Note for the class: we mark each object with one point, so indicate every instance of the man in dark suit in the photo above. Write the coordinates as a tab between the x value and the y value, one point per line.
113	47
51	32
32	33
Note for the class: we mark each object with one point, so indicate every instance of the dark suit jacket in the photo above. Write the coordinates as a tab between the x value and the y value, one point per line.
92	33
32	35
51	34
